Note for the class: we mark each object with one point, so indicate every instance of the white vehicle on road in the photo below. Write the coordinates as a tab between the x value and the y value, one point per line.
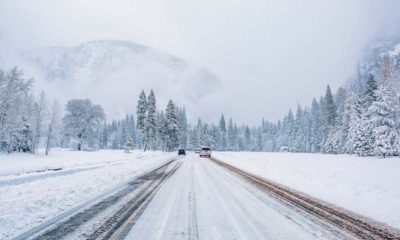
205	152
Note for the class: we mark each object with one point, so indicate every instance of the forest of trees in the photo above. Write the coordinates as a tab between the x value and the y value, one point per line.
363	119
25	122
155	130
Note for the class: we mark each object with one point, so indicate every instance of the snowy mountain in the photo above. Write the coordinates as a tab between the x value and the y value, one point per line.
373	53
120	69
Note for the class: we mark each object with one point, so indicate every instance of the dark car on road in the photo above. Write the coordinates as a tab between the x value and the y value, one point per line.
181	152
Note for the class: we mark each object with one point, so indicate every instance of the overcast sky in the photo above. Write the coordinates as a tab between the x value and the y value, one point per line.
270	55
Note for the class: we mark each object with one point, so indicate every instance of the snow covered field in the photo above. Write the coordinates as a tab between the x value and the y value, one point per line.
368	186
34	188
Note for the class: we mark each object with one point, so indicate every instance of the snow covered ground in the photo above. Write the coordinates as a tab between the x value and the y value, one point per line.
368	186
200	199
35	188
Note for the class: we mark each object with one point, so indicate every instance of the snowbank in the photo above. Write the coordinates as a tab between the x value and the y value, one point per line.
35	188
368	186
19	163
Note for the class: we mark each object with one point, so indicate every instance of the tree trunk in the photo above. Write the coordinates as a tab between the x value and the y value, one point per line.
80	141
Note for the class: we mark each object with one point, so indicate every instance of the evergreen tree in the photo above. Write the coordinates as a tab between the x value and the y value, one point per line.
382	114
316	136
223	137
214	136
329	108
364	136
194	141
332	143
151	122
286	133
200	132
172	126
299	131
231	137
162	129
355	142
348	110
247	138
259	140
132	130
371	87
183	127
238	140
328	117
389	76
307	130
340	98
205	129
141	111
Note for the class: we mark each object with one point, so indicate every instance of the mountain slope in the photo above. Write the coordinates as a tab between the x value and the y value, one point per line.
112	73
372	55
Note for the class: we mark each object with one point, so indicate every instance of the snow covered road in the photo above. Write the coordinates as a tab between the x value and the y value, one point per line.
205	201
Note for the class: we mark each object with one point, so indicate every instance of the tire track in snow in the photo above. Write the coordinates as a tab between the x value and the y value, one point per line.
166	214
193	233
235	204
239	234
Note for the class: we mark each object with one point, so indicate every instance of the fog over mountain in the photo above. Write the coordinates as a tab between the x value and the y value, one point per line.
112	73
369	60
